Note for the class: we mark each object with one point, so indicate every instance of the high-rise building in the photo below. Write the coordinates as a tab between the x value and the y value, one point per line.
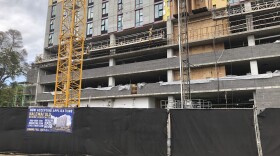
132	54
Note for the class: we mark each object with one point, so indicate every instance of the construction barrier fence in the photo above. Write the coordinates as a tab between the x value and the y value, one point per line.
144	132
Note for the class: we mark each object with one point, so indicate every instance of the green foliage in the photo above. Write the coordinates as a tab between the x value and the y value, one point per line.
12	56
11	96
6	97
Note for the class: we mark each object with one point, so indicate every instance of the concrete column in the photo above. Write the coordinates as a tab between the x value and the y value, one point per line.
168	135
111	82
193	5
170	53
171	102
251	40
248	6
169	27
254	67
112	39
170	76
169	31
254	63
112	62
249	22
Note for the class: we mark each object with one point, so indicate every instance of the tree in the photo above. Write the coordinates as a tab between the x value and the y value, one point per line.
7	96
11	96
12	56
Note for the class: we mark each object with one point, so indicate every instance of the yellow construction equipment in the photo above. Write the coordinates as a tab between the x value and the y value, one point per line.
70	54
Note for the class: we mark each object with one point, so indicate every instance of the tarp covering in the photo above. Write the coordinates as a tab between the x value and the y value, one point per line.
269	123
213	133
96	131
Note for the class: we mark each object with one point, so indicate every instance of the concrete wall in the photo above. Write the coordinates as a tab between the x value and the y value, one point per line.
113	16
57	21
148	12
238	54
148	66
32	75
229	55
128	14
97	13
128	17
157	89
142	102
267	98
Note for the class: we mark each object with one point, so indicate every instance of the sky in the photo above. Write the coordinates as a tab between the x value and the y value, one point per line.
29	17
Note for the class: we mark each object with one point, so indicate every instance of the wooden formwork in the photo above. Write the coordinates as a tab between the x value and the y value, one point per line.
204	29
203	73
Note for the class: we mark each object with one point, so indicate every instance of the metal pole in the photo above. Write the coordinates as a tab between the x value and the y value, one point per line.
15	98
37	85
23	96
180	57
257	129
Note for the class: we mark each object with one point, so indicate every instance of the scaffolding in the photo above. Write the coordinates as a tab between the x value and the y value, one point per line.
239	10
184	54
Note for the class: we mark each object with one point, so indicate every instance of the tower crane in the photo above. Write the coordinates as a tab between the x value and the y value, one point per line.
70	54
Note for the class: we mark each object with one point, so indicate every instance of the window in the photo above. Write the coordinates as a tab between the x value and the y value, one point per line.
89	29
120	22
90	2
120	5
52	25
105	8
90	13
53	10
138	3
50	39
158	11
139	17
104	25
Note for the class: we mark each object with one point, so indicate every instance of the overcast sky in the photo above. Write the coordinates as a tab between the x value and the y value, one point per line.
29	17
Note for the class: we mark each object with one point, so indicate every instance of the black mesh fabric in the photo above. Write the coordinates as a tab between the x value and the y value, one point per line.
96	131
213	133
269	123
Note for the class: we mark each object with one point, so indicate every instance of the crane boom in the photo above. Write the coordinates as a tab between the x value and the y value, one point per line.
70	54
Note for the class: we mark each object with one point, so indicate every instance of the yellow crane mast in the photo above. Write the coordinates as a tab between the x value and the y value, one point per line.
70	54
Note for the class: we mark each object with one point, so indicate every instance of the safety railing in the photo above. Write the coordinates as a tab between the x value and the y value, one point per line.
130	40
202	104
265	5
194	104
169	104
237	10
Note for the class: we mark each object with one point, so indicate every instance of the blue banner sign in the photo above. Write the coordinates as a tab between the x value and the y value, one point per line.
44	119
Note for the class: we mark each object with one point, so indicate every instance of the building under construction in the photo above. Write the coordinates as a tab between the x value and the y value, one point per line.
133	56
